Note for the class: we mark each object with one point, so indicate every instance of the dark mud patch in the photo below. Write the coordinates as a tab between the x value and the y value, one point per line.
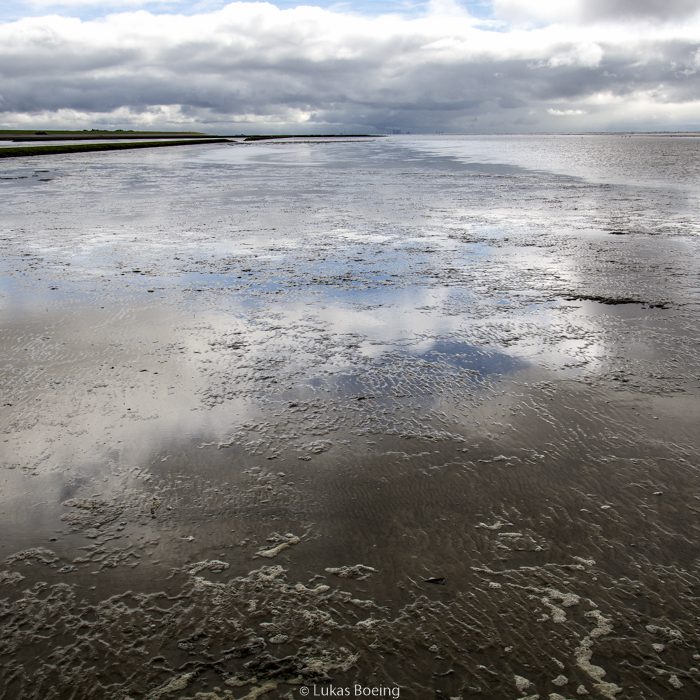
615	301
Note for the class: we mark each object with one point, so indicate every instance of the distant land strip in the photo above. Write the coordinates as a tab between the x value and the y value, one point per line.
72	135
111	137
263	137
23	151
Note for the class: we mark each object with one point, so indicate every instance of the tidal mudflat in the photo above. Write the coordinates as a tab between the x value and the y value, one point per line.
410	412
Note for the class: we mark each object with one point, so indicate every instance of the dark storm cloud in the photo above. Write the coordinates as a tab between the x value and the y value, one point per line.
660	9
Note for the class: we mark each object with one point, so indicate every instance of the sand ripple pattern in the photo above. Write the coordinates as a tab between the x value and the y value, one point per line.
370	412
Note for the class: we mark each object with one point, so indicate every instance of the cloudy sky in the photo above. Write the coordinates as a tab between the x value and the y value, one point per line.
470	66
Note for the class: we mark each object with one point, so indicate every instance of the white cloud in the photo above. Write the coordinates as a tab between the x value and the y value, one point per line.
257	65
526	11
446	8
566	112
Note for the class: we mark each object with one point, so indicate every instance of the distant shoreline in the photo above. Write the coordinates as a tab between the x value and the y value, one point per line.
269	137
27	151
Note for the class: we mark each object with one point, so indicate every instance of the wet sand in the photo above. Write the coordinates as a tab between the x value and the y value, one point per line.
299	414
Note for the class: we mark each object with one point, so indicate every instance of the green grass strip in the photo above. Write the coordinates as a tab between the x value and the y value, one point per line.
99	133
24	151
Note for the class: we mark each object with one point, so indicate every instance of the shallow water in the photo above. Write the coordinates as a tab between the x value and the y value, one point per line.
410	411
